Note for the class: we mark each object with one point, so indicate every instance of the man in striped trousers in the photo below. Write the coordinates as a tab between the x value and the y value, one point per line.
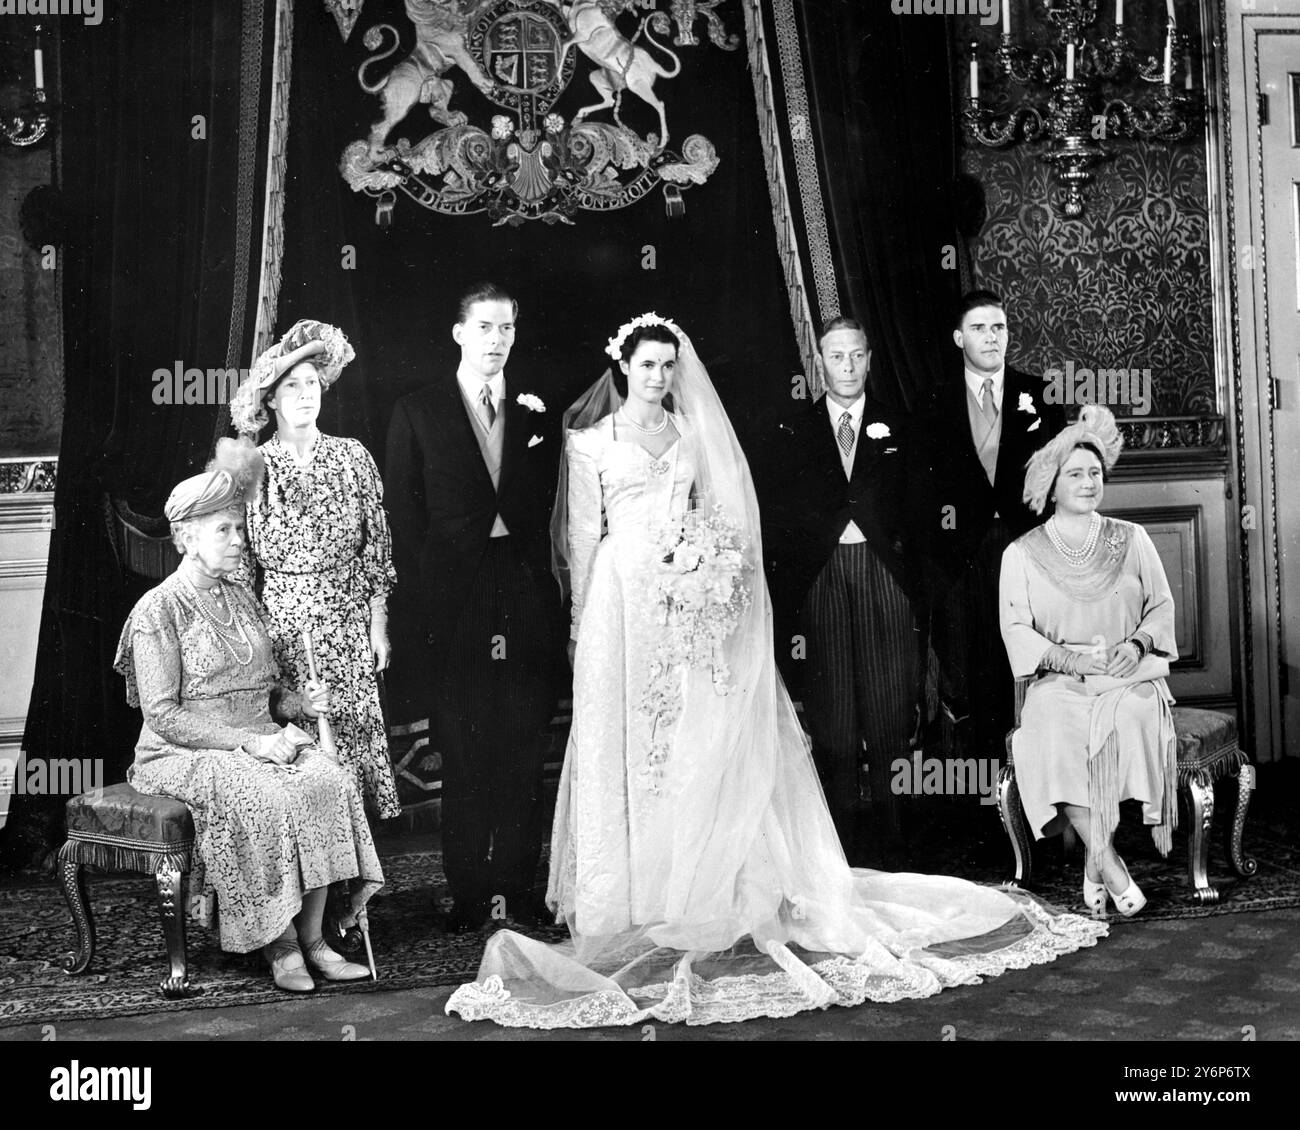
841	574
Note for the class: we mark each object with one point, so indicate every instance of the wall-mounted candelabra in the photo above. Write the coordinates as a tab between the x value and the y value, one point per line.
1065	102
31	121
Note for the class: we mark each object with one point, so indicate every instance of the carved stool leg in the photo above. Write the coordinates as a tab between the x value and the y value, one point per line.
1013	822
172	910
1243	865
74	890
1201	801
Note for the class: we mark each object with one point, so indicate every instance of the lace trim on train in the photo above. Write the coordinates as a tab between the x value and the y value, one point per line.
877	975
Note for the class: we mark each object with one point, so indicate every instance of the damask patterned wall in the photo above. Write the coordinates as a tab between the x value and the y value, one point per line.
1127	285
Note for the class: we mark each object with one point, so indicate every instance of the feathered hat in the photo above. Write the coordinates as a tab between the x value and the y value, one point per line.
1095	426
324	345
234	472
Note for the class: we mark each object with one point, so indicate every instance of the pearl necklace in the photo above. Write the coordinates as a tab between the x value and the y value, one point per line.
1080	555
654	431
222	628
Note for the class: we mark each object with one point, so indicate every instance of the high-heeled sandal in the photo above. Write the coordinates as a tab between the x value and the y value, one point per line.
288	974
331	965
1094	895
1131	899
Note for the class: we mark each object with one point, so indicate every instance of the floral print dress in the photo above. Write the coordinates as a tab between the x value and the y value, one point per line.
322	552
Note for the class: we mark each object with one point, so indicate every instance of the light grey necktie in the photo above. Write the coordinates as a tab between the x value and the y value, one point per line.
987	407
487	411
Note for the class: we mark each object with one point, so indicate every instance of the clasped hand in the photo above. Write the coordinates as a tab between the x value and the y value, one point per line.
278	748
1122	660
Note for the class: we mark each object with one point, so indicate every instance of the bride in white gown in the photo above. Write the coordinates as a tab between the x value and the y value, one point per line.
693	857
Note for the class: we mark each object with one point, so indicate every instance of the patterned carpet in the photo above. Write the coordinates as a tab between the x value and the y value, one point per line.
35	930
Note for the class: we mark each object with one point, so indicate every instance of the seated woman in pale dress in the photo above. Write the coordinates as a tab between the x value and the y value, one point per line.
276	821
1086	610
693	857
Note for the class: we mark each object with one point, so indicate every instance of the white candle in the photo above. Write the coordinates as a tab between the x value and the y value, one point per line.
1169	60
1069	62
1170	5
1119	13
974	80
1188	81
1006	17
40	69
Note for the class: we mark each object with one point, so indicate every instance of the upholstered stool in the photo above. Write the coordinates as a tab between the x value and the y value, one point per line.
120	829
1207	751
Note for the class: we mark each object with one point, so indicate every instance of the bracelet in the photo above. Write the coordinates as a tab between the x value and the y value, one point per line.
1137	643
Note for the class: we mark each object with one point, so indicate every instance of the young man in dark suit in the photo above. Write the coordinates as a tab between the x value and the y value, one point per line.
471	471
980	429
841	574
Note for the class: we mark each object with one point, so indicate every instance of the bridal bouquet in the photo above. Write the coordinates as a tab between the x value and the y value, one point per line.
697	592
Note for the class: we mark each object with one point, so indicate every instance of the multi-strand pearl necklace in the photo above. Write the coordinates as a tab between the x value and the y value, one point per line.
1080	555
222	628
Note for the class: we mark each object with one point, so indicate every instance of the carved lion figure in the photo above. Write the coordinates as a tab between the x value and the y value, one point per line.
440	27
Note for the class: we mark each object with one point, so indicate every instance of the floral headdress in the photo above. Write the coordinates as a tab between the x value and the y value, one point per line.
1095	426
615	346
326	346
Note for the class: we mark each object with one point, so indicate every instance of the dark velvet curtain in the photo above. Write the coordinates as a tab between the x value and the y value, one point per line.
156	270
882	110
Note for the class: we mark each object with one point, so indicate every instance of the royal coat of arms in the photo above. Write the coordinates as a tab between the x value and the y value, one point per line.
529	163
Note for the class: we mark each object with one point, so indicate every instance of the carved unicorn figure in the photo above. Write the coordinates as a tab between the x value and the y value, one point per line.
622	64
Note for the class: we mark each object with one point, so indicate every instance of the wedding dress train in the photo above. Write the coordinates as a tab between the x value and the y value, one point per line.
714	888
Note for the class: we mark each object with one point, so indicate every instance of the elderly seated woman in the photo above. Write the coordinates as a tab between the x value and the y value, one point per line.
1086	608
276	820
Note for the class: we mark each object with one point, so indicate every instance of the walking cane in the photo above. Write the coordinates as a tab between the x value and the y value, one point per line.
324	731
325	734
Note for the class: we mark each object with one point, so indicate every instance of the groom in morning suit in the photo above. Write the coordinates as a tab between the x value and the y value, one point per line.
981	428
842	576
471	472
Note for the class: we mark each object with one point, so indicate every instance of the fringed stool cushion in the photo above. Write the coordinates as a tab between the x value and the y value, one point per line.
1207	744
120	829
124	830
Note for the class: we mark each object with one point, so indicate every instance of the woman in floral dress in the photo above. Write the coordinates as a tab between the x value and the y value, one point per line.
321	548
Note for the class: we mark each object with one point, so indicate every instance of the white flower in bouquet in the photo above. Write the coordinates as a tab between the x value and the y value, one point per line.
697	593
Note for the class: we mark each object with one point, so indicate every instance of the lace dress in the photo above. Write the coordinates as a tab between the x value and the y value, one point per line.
721	893
320	541
264	834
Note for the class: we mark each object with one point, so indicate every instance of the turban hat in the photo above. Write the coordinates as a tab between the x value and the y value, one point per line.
234	472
